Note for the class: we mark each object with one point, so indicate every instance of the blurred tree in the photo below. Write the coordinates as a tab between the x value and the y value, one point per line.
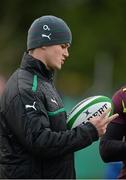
97	26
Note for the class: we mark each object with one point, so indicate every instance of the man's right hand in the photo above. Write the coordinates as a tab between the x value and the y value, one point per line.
101	122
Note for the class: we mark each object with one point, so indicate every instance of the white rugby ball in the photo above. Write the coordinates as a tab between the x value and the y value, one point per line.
88	108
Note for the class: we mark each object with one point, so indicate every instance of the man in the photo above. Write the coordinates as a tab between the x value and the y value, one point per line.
34	139
113	144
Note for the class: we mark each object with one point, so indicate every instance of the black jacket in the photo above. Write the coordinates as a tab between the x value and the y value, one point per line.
34	139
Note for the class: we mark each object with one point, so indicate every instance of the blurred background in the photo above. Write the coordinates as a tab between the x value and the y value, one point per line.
96	64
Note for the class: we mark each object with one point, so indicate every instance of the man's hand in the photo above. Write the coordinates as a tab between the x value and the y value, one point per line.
101	122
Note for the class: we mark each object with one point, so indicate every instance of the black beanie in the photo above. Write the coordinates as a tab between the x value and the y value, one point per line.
48	30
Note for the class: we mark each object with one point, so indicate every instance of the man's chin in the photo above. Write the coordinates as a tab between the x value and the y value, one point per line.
58	68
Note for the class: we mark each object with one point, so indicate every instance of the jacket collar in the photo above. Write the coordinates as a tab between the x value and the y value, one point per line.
36	66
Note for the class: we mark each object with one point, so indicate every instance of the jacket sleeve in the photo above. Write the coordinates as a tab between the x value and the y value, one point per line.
32	128
112	144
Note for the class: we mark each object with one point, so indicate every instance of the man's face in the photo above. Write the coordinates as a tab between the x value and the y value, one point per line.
56	55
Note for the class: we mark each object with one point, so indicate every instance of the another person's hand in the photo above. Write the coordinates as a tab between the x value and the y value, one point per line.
101	122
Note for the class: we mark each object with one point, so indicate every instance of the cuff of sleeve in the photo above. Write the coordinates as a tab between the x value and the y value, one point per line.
93	133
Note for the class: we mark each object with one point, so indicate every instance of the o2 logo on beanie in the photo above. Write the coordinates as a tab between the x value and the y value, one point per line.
46	28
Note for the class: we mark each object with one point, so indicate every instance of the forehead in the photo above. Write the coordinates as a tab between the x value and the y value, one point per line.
65	45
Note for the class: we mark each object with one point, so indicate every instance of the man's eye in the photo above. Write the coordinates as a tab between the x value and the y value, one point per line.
63	46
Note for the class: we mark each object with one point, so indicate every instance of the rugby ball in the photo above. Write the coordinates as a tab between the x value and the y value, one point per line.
88	108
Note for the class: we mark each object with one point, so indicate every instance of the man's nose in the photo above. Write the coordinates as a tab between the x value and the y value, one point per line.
66	53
